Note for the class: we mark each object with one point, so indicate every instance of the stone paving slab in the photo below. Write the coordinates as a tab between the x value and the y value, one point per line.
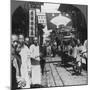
60	76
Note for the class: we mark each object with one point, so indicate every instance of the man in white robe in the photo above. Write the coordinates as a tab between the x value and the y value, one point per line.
85	52
85	48
35	61
26	64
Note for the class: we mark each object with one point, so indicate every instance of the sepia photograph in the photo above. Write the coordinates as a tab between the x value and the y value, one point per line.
49	44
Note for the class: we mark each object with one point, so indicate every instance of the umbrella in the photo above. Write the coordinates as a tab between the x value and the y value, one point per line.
60	20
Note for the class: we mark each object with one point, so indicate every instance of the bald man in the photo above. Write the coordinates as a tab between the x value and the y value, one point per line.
15	54
14	40
14	65
26	64
27	41
35	61
21	39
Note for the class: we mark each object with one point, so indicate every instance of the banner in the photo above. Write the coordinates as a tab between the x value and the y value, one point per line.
32	23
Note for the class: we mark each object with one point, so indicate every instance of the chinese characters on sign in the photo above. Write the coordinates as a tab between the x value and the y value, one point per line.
32	23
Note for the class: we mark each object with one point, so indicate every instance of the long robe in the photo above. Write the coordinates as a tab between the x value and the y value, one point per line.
26	65
36	70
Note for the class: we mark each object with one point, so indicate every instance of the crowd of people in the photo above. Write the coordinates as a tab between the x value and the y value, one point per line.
25	62
74	49
69	51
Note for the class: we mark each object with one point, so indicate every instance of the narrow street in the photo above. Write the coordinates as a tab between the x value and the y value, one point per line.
56	75
49	44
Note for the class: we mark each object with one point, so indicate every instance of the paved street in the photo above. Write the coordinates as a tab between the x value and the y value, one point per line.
56	75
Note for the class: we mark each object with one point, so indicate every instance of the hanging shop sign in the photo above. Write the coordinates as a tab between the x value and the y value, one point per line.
32	23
